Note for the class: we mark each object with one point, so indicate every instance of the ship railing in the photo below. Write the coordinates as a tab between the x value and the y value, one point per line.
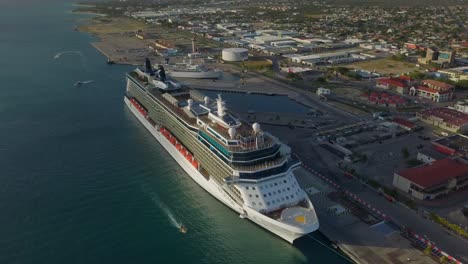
175	109
231	180
266	165
268	142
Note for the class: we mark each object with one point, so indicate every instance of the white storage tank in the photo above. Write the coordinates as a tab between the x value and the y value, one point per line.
235	54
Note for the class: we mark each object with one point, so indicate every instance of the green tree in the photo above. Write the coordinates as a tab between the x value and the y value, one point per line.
462	84
321	79
364	158
342	70
428	250
421	53
354	75
417	75
405	153
399	57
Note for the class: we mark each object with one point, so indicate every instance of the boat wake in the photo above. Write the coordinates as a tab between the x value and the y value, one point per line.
170	216
79	83
57	56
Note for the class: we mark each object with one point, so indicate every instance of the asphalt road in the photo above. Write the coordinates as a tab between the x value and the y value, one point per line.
449	243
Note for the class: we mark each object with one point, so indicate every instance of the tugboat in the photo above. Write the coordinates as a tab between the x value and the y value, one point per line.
183	229
109	61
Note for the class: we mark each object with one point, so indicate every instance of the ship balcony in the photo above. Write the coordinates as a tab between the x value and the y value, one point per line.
156	95
231	180
262	166
269	141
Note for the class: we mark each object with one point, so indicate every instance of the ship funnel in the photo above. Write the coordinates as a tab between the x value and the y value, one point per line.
148	67
207	100
162	73
190	103
193	45
232	132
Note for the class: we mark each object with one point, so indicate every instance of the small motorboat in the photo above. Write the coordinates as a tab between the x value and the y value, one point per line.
183	229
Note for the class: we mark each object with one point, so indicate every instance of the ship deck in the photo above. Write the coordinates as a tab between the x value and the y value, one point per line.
243	131
297	215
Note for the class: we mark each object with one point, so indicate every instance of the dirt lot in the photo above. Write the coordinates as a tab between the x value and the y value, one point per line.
347	108
105	25
348	92
118	42
385	66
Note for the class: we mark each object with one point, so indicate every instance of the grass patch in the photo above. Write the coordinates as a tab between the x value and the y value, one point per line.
453	227
257	65
385	66
347	108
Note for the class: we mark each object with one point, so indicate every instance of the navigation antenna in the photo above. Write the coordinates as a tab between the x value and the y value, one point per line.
242	77
194	50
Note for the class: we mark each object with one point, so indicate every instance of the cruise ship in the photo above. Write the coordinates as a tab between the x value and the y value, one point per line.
244	167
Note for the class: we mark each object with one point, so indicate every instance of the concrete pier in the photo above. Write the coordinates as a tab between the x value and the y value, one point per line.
364	243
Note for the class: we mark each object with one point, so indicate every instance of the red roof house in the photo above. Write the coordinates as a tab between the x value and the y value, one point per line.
432	180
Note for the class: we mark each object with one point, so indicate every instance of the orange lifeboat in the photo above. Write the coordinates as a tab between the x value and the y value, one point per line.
179	146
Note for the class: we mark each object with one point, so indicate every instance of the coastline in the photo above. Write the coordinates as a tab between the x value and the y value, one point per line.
88	13
115	38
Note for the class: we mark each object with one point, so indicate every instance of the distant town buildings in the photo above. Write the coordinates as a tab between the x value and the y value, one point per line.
399	85
443	59
445	118
404	123
455	74
385	99
452	145
462	106
435	90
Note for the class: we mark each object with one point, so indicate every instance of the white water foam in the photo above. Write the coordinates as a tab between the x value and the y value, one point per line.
57	56
170	216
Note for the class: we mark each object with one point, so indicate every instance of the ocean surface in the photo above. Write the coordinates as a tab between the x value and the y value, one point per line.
82	181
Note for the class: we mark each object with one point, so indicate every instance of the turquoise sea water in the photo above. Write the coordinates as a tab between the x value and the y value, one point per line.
81	180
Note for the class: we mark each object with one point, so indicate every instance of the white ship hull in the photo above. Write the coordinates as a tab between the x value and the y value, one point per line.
285	231
195	74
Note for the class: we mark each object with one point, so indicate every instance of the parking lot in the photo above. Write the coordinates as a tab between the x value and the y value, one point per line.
387	157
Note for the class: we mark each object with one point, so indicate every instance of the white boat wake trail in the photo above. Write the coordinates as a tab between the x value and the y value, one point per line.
57	56
170	216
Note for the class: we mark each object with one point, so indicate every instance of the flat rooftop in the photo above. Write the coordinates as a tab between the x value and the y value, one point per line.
450	116
457	142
